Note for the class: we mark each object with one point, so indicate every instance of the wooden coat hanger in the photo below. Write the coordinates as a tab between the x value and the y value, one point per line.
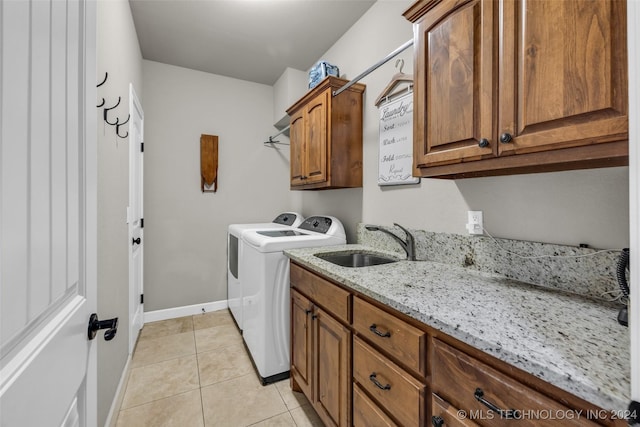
398	78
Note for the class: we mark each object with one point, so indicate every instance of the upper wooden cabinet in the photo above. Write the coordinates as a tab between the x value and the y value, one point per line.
326	137
507	87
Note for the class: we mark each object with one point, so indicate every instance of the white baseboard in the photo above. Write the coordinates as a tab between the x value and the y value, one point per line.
112	417
188	310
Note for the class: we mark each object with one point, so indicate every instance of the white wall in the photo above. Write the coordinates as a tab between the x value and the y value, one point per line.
566	207
185	229
118	54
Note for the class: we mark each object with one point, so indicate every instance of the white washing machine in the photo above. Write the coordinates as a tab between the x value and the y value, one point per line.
285	220
266	289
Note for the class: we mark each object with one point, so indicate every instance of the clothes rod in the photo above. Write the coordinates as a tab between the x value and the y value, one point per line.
271	141
373	67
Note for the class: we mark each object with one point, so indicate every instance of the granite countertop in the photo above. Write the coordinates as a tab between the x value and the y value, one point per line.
570	341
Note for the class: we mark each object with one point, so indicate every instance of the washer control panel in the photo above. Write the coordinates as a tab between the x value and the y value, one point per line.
287	218
319	224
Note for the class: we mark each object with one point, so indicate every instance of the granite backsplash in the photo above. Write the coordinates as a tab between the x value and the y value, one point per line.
566	268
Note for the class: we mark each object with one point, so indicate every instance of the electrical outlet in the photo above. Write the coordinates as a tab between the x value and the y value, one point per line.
475	224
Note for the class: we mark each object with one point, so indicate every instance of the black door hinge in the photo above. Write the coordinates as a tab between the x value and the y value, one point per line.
141	222
142	147
141	298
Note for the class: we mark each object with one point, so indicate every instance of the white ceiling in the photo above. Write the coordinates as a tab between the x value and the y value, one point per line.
251	40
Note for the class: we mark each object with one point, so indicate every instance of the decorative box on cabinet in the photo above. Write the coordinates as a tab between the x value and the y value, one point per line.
326	137
543	88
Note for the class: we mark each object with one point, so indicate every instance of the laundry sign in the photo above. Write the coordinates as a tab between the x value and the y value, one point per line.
395	163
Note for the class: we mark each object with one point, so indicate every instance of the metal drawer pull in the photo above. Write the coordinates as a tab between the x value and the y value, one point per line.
373	329
506	414
373	379
437	421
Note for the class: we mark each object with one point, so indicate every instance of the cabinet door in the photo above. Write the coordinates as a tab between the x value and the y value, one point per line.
316	149
562	74
366	413
333	370
454	86
301	343
445	415
297	137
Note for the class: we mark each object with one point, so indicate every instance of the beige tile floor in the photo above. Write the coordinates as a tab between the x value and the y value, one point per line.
195	372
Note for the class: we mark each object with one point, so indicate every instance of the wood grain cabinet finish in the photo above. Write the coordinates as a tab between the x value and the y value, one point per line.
417	376
518	86
367	413
398	392
472	386
332	352
302	343
326	137
402	341
330	297
321	357
443	414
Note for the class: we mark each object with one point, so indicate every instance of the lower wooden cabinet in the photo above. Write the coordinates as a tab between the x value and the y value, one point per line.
361	363
398	392
490	397
301	343
367	413
443	414
321	360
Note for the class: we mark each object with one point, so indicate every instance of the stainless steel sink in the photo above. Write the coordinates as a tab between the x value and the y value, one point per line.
357	259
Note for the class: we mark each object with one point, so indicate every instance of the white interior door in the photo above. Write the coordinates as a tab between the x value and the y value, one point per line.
136	217
48	212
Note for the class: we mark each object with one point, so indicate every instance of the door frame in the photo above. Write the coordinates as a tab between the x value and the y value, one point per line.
633	46
134	150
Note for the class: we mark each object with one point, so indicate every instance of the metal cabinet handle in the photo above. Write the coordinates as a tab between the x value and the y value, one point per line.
373	329
506	137
437	421
507	414
373	379
484	142
136	241
307	311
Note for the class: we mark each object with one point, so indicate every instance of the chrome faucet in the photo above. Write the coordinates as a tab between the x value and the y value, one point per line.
409	245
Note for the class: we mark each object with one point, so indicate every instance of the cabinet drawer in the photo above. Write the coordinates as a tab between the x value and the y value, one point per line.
391	334
459	378
396	390
366	413
449	416
330	297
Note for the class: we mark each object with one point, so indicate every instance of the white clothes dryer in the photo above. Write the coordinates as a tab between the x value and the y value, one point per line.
285	220
266	289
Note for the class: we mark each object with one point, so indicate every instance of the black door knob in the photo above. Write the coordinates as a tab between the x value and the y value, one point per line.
136	241
506	137
437	421
95	325
484	142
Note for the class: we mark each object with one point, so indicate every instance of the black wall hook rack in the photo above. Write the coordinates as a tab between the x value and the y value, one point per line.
105	111
120	124
106	75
